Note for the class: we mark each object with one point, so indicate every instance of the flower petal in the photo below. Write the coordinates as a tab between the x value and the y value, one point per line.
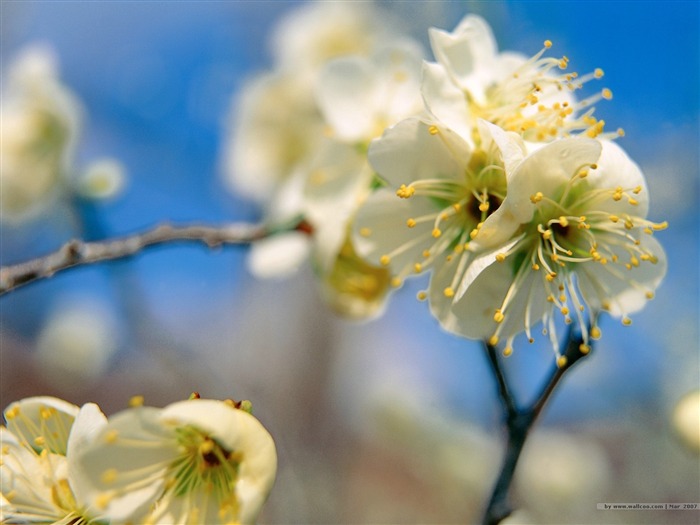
44	417
445	100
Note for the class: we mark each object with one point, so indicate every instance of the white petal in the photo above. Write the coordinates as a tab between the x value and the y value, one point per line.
127	459
445	100
236	430
279	256
409	152
467	53
380	228
612	283
348	95
30	422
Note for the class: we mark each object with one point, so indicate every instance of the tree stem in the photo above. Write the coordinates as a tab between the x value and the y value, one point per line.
518	423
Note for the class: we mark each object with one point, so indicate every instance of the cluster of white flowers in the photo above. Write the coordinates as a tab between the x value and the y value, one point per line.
300	134
501	182
194	461
41	121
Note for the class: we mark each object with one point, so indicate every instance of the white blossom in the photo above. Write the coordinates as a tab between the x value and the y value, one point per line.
194	461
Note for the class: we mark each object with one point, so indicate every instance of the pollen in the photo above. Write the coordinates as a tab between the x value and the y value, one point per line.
595	333
411	223
507	351
418	267
436	232
498	316
109	476
433	130
136	401
396	282
111	436
606	94
649	295
561	361
449	292
547	44
484	206
598	73
626	321
500	257
421	296
537	197
584	349
384	260
365	232
405	192
493	341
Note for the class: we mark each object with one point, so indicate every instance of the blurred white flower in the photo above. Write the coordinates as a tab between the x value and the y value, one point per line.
562	474
571	233
530	96
77	341
686	420
38	447
40	124
194	461
311	35
102	179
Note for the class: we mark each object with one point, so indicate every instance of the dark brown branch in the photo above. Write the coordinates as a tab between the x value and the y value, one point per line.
519	422
76	252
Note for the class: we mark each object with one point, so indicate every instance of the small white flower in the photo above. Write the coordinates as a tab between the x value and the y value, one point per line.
686	420
571	237
533	97
38	447
439	192
40	121
195	461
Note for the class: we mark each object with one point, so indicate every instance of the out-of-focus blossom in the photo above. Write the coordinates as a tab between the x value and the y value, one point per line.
40	124
571	237
534	97
77	341
562	474
194	461
301	133
101	179
38	447
686	420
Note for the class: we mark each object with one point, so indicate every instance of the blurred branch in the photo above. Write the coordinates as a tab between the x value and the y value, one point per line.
77	253
520	421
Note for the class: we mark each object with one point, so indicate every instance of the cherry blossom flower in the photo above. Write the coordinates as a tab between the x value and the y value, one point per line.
194	461
38	447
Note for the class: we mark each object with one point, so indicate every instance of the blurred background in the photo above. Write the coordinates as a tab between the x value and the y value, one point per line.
388	421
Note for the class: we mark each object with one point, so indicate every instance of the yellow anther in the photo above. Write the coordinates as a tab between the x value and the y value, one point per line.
365	232
136	401
45	413
39	441
660	226
405	192
396	282
563	221
457	206
614	218
111	436
493	340
537	197
564	310
410	223
595	333
484	206
584	348
498	316
507	351
436	232
634	261
632	201
449	292
418	267
426	253
626	321
562	298
606	94
500	257
547	234
206	447
421	296
474	233
550	276
620	132
637	190
583	174
12	413
598	73
535	266
433	130
550	298
561	361
109	476
547	44
102	501
384	260
649	295
629	224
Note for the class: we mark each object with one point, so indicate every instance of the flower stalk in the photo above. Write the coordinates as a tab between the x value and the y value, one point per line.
519	421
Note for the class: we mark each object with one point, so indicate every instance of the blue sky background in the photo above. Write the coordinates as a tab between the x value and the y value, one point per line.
156	81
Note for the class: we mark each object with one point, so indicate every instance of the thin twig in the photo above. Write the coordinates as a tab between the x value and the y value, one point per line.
76	252
519	422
